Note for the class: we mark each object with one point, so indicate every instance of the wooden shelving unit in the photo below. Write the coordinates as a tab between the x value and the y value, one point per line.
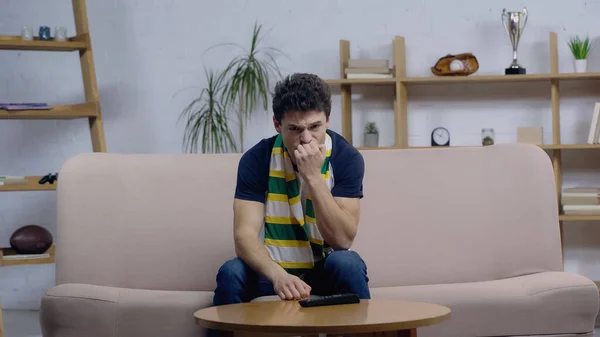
402	83
90	109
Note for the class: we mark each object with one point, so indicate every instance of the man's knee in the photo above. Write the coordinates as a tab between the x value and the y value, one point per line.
345	261
233	270
349	273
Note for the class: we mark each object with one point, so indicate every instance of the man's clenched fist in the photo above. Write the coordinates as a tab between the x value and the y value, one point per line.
309	159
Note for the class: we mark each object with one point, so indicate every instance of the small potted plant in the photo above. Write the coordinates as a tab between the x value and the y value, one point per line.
581	49
371	135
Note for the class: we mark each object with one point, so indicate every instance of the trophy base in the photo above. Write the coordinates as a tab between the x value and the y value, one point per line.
515	71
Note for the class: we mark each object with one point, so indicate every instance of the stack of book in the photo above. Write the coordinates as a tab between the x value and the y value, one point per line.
581	201
368	68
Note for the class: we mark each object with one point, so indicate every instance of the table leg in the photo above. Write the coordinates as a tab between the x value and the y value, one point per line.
265	334
399	333
408	333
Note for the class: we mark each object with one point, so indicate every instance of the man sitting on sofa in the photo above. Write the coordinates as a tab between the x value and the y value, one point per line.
283	181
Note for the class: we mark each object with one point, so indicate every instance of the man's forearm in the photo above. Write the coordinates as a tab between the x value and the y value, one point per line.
254	253
336	225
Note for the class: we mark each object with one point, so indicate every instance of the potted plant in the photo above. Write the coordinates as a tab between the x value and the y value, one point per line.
207	118
371	135
580	50
236	91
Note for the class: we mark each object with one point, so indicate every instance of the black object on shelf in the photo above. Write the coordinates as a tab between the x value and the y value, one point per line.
48	178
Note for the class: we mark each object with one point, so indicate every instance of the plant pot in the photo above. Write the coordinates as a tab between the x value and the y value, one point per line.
371	139
581	66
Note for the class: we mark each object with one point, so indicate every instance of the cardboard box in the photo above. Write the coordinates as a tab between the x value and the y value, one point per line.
532	135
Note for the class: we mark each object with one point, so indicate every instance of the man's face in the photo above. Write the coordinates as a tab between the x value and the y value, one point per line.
299	127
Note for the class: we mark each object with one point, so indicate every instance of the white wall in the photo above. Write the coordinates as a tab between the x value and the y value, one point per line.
149	66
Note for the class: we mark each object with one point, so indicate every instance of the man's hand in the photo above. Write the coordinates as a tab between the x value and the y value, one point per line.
309	159
290	287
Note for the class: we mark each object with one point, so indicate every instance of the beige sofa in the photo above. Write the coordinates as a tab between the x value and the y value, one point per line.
140	239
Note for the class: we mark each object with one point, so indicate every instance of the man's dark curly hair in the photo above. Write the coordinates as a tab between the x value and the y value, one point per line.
301	92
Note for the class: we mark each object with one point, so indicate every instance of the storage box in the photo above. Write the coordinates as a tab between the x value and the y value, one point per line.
532	135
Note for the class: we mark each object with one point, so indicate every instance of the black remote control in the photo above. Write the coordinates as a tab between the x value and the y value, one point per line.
330	300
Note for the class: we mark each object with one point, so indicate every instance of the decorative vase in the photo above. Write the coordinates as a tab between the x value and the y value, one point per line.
371	139
60	34
27	33
581	66
487	136
44	33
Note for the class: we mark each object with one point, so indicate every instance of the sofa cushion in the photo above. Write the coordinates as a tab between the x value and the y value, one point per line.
553	303
536	304
74	310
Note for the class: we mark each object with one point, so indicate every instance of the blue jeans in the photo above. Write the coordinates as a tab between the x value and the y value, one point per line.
343	271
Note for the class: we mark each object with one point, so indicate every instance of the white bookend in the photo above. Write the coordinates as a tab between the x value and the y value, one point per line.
597	111
593	135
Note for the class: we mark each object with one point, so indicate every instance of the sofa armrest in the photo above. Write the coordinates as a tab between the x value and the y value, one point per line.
74	310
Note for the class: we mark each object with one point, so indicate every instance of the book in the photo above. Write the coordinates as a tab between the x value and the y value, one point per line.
368	63
25	256
368	70
571	201
581	209
581	192
369	76
25	106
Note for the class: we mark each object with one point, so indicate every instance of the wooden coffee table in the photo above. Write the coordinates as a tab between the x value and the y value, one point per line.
288	318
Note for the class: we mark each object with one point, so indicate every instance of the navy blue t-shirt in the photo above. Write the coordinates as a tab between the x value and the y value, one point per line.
346	162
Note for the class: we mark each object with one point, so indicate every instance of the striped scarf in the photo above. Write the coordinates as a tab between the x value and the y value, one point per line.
291	233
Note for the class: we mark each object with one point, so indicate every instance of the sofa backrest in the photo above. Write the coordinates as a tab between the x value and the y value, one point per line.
458	215
164	221
146	221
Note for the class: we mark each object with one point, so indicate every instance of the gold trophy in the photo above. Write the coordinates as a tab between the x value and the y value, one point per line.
514	23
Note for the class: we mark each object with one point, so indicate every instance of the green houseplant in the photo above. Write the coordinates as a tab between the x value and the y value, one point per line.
206	118
371	135
233	93
580	48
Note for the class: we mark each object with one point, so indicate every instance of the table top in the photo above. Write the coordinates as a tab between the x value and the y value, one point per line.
289	317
